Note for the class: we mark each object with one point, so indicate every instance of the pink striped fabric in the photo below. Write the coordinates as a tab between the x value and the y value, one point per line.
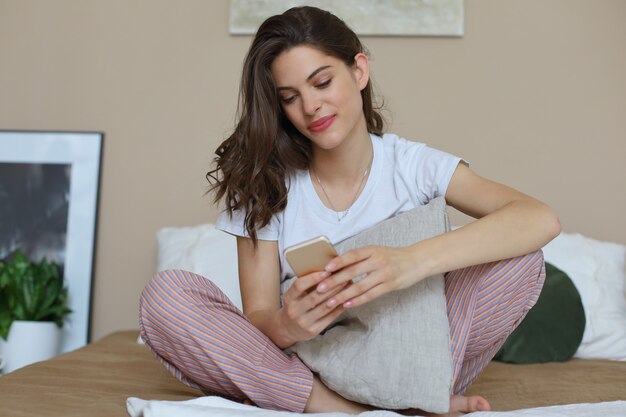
485	304
207	343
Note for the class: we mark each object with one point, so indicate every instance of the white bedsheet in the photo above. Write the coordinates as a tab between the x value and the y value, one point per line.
211	406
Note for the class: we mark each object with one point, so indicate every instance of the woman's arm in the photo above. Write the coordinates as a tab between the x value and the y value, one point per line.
303	314
509	223
259	283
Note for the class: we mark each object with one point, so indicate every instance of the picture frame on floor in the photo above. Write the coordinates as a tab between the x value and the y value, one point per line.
49	189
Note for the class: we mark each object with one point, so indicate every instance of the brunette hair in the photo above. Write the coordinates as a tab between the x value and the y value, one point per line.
252	165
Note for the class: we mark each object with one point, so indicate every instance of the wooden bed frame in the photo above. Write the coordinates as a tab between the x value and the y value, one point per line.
96	380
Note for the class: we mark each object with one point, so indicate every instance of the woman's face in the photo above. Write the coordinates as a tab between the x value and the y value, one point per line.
321	95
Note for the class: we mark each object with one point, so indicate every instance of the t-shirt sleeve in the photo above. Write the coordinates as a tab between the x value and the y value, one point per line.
235	225
429	168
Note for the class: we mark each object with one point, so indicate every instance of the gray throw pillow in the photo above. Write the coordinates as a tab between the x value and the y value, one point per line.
392	352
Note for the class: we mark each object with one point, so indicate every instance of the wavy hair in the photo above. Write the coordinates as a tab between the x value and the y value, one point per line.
253	163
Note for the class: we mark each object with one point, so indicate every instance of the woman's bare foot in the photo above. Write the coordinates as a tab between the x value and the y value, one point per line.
459	405
323	399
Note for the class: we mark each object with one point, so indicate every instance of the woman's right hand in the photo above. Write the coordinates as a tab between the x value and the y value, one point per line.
304	313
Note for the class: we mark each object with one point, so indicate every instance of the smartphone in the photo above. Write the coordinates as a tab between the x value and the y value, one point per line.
310	256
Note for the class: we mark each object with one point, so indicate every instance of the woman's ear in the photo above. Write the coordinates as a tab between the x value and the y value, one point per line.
361	70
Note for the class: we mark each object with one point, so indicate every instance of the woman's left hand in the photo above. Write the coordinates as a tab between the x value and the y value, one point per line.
387	269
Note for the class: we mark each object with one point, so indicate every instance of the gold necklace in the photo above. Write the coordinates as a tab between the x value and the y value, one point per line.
343	214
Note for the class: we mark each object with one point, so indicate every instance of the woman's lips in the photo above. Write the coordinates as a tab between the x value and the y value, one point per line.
322	123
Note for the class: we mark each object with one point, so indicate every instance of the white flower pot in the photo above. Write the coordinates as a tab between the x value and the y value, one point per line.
29	342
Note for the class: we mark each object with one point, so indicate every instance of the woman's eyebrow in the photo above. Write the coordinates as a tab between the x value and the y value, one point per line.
316	71
313	74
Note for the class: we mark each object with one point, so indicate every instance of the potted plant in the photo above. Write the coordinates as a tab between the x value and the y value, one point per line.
33	308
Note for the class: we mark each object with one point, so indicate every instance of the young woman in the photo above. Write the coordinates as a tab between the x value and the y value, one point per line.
308	157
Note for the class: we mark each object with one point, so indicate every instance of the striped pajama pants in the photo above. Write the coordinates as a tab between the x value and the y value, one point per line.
207	343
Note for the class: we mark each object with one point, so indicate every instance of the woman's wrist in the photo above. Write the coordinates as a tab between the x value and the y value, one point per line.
284	340
427	260
271	324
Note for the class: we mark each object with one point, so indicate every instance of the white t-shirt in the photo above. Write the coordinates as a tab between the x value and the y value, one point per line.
404	175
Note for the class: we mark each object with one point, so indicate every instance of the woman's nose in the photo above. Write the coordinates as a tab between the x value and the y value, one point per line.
311	104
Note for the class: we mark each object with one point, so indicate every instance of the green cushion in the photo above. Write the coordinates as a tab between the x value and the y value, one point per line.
553	329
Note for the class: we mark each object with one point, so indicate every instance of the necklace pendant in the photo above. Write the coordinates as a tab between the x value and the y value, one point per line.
342	215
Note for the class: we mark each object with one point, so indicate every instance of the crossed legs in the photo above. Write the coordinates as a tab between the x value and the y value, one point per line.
207	343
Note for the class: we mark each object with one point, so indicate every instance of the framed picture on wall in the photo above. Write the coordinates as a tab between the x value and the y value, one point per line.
365	17
49	187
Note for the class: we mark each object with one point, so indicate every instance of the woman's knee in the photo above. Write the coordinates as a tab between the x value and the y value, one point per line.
535	262
173	294
526	272
531	273
536	277
179	285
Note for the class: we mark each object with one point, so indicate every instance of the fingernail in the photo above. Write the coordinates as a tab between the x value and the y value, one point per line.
331	302
330	267
322	287
347	304
325	274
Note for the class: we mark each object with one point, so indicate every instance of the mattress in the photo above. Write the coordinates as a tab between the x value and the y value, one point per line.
97	379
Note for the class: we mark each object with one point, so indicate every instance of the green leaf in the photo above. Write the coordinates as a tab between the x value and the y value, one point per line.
31	291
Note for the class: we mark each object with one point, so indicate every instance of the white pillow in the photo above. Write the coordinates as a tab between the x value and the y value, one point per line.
204	250
598	270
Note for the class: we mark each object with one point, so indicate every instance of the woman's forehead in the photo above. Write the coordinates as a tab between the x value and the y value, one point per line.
301	63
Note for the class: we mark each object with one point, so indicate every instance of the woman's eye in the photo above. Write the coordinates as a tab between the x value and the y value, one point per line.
324	84
287	100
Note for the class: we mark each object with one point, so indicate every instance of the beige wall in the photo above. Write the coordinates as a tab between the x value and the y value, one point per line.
534	95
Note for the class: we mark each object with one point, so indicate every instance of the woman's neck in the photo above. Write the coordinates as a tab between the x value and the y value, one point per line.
344	165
